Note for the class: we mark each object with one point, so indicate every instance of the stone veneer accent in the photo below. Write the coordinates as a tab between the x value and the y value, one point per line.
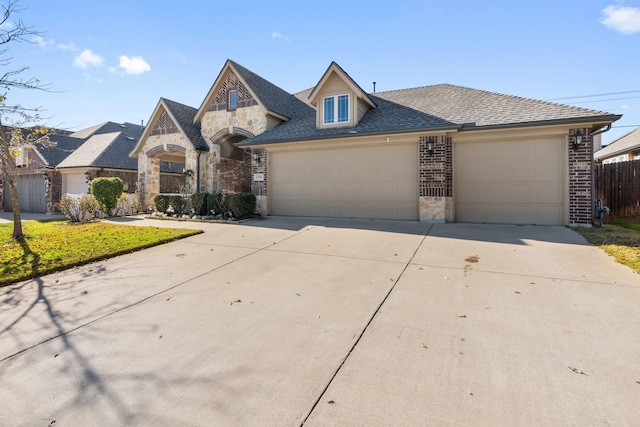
149	161
259	187
580	175
436	180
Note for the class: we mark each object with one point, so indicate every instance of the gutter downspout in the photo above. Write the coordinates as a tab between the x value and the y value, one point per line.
593	170
198	172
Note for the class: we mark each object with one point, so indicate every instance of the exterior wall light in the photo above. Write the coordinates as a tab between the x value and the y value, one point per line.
577	139
430	143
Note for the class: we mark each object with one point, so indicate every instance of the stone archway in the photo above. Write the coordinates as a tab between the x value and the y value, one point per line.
155	176
233	167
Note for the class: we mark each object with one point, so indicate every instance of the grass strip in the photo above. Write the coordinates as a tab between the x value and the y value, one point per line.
51	246
620	238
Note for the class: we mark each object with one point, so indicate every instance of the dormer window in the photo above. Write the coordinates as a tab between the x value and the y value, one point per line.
233	99
335	109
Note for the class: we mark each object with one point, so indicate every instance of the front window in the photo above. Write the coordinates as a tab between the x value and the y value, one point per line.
336	109
233	100
328	110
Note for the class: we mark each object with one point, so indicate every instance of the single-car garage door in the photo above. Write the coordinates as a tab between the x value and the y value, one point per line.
356	182
510	182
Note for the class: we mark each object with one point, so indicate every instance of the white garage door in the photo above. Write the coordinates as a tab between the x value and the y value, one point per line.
511	182
356	182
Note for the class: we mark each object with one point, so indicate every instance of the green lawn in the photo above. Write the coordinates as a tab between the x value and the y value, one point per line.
620	238
57	245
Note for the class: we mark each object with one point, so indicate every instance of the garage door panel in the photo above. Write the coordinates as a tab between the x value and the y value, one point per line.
363	182
516	182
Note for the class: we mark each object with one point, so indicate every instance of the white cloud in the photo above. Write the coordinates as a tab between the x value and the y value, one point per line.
625	20
279	36
69	46
134	65
87	59
41	42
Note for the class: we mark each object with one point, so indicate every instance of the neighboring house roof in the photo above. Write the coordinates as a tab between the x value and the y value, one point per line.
94	148
624	144
106	145
61	146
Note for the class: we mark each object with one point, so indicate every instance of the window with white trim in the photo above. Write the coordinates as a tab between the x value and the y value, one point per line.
335	109
233	99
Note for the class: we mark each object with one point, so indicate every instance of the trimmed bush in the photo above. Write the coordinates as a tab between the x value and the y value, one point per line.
199	203
107	191
242	205
178	204
214	204
161	203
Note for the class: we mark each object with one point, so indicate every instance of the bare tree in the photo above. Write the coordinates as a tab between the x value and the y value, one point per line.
18	124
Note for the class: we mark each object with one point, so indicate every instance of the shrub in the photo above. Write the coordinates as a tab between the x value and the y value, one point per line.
214	204
161	203
128	204
82	209
107	191
178	204
242	205
199	203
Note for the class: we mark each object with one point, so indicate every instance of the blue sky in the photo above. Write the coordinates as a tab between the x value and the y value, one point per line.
113	60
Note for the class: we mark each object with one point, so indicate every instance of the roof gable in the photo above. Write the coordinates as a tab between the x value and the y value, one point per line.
332	72
173	117
253	90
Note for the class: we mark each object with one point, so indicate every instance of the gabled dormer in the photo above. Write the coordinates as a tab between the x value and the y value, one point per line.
338	100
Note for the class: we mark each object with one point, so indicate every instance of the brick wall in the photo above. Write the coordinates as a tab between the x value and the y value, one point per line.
129	178
235	175
259	168
436	170
580	174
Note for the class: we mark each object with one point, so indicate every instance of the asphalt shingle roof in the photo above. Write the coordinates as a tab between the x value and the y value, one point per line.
185	115
271	96
433	107
627	142
460	105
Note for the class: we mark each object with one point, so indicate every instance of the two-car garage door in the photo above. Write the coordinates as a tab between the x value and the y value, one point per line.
503	182
354	182
510	182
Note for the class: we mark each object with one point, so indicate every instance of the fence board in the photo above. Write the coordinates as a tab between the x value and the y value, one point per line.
618	185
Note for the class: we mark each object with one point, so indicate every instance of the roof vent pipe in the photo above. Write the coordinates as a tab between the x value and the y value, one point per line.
374	87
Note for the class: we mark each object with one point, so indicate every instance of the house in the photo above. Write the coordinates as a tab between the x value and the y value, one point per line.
433	153
623	149
69	163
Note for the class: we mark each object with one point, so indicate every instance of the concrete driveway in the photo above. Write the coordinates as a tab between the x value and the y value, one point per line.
323	322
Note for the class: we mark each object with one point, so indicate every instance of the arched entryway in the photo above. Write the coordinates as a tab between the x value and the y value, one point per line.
233	168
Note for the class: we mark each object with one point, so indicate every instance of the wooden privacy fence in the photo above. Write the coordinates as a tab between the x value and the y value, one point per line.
618	185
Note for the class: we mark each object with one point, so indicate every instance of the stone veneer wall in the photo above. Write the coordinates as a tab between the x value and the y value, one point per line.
580	175
436	180
149	161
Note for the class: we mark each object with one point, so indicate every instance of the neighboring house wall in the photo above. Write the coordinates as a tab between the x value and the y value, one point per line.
129	178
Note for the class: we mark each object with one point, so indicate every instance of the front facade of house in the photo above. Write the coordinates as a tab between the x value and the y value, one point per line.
435	153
